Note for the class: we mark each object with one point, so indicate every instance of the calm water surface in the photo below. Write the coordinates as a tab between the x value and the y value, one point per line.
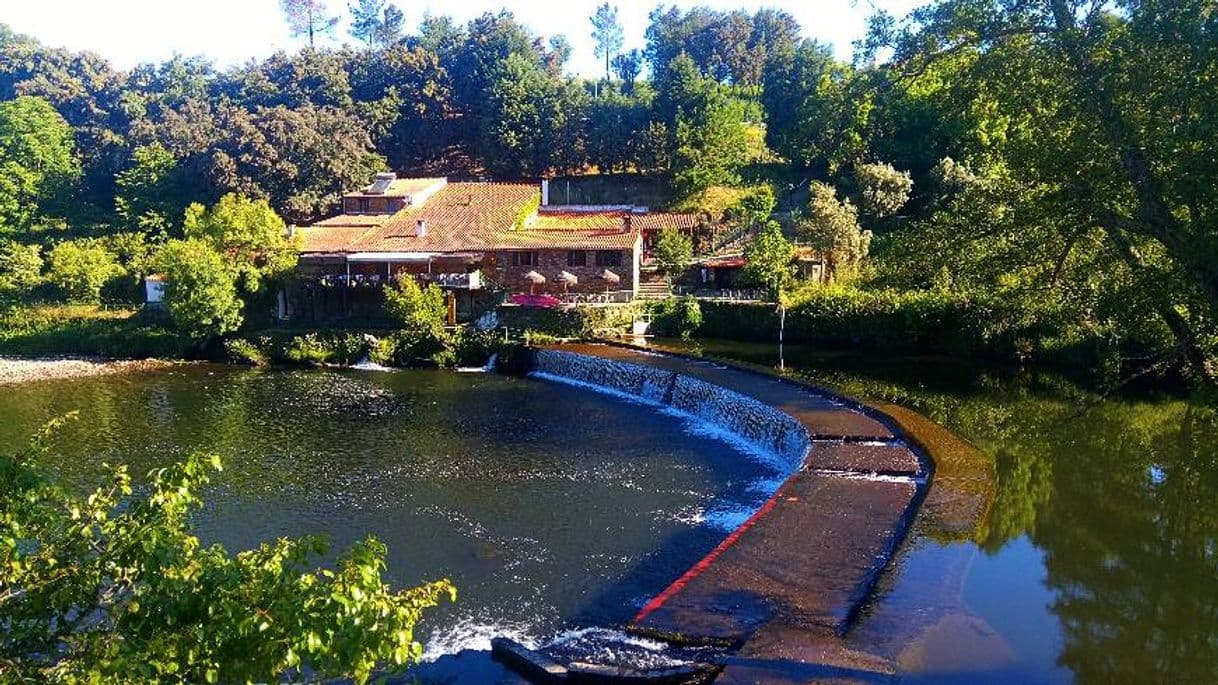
549	506
1097	560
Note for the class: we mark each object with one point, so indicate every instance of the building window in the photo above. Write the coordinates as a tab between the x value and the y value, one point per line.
608	258
577	258
522	258
362	204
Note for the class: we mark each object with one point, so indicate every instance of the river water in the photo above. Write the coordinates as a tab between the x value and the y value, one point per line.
550	507
1092	555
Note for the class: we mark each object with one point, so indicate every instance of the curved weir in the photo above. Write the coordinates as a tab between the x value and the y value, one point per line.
789	581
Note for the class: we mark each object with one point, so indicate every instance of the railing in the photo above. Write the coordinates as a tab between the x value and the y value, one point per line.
731	294
611	297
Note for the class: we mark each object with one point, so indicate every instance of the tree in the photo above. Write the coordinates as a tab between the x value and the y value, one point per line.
300	159
308	18
674	249
376	22
20	266
420	310
393	25
366	20
79	269
151	192
115	586
883	190
627	66
607	34
832	228
712	143
755	207
249	235
768	259
1113	157
36	160
200	289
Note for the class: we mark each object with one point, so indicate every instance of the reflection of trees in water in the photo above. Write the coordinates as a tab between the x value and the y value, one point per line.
1122	497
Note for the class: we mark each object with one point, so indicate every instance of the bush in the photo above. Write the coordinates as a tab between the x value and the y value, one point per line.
417	308
242	351
308	349
917	321
161	606
20	266
570	322
86	330
676	317
200	290
79	269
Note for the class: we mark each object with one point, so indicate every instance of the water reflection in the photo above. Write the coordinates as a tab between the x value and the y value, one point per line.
1098	557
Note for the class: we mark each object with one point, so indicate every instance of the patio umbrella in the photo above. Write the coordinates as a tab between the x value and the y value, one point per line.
568	279
534	279
610	278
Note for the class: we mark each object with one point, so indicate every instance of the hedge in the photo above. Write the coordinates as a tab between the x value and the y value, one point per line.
569	322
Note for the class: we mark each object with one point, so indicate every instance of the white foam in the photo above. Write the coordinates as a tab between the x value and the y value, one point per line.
476	633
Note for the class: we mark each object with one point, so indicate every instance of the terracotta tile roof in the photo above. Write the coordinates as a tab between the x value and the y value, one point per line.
464	217
656	221
328	238
461	216
400	188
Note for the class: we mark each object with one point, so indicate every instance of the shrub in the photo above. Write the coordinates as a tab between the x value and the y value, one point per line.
20	266
308	349
570	322
200	290
240	350
676	317
417	308
86	330
79	269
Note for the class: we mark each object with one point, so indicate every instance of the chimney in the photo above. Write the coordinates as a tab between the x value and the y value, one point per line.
545	192
420	228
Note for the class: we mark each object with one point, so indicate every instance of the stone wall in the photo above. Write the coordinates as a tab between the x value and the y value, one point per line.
551	262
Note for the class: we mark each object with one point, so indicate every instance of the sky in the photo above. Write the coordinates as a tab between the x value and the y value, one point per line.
231	32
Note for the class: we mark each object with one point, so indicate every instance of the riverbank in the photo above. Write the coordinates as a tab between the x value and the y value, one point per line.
17	370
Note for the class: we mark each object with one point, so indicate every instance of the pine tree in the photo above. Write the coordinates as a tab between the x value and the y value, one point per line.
308	18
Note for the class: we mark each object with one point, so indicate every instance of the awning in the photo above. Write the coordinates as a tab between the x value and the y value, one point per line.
392	256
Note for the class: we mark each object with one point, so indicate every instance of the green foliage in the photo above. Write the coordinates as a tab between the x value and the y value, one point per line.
673	251
248	234
85	330
883	190
676	317
607	34
769	258
244	351
200	290
37	165
20	267
755	206
832	228
418	309
79	269
711	143
151	193
570	322
115	586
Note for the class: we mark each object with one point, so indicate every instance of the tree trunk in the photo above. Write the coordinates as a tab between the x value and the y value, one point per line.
1190	347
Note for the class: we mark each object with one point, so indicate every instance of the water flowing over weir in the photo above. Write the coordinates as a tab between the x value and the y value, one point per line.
761	426
794	575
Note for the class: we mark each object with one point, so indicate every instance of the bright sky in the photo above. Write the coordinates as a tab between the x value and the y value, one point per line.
128	32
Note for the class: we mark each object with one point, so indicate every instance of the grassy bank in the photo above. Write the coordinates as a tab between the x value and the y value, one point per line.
86	330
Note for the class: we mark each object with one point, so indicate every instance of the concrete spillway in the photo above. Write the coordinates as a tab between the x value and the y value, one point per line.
795	575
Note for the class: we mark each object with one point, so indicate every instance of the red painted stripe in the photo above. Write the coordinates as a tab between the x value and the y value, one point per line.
706	561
